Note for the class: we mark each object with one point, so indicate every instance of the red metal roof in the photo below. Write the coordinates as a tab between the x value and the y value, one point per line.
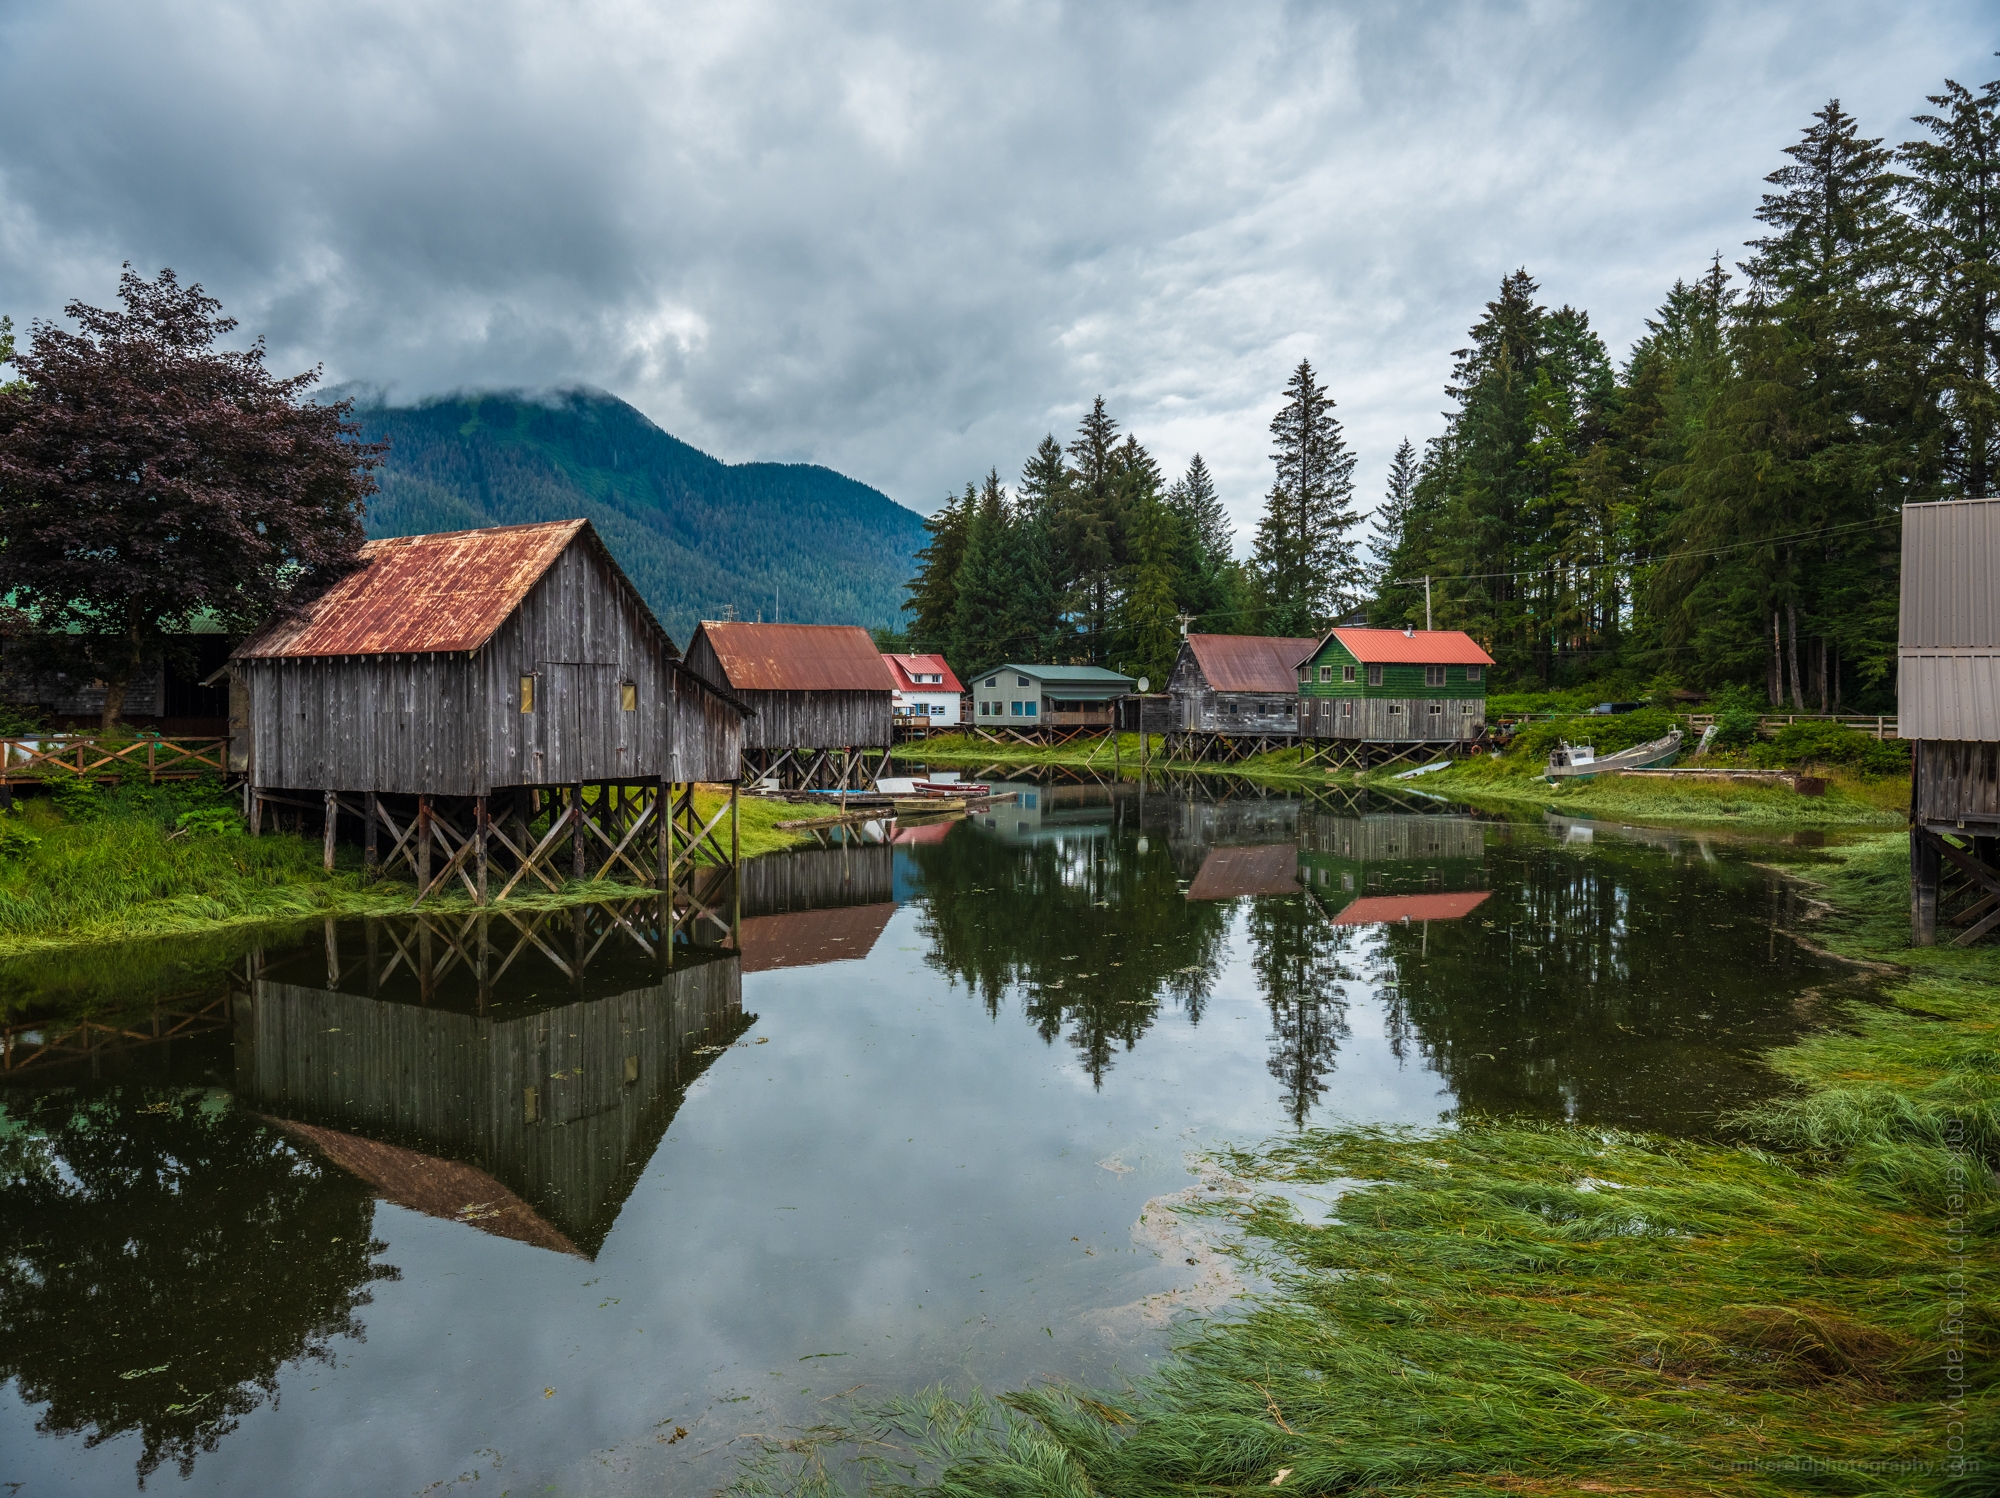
1226	873
1373	908
798	657
423	594
906	668
1417	647
1250	663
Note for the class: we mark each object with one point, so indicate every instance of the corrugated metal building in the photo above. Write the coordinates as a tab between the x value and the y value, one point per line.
1948	706
1241	684
812	686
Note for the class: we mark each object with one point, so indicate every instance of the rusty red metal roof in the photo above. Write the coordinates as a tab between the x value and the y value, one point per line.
907	668
1411	647
1370	909
1250	663
423	594
1270	869
797	657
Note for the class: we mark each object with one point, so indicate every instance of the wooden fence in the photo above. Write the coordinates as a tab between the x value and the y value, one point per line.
32	759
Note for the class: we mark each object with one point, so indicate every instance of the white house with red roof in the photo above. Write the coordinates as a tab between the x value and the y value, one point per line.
925	688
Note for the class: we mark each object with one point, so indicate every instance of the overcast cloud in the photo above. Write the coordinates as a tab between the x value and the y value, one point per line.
907	240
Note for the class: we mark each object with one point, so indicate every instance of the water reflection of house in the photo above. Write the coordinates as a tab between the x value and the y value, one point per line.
531	1126
1384	909
807	938
1043	812
1231	873
1196	828
1392	851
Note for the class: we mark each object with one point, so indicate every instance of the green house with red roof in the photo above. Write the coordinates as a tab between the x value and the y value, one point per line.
1394	686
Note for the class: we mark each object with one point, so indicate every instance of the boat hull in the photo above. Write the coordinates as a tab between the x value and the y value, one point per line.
1653	756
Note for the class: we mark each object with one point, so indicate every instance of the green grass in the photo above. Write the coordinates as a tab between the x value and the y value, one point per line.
963	749
1512	1308
88	866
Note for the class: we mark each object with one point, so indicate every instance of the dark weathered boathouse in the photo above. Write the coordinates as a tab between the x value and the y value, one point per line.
823	697
488	707
1948	706
1235	695
1389	693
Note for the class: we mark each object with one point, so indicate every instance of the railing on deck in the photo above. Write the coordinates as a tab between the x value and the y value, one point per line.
1875	725
38	757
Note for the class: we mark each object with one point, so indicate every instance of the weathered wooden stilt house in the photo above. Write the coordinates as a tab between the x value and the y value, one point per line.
489	708
1948	705
1388	692
822	695
1234	695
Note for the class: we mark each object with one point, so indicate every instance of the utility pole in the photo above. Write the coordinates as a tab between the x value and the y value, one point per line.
1186	620
1411	582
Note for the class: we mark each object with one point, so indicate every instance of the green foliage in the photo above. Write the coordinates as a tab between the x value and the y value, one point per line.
1824	743
1736	728
18	721
1307	568
77	798
211	821
694	534
15	838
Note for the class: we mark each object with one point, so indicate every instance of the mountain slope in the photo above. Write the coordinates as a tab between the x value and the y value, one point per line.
694	534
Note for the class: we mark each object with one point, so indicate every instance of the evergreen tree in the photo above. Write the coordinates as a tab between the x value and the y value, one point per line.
1953	193
933	600
1036	629
1814	445
1209	582
1392	515
1307	569
985	582
1088	535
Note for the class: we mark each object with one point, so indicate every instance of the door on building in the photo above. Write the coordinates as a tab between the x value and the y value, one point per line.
579	721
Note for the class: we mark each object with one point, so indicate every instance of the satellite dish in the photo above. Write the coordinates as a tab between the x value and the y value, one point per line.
1145	685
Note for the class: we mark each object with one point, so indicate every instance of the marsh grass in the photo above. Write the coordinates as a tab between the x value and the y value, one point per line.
1850	800
1512	1308
963	749
173	861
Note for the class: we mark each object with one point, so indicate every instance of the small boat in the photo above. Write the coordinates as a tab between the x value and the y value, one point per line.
1569	761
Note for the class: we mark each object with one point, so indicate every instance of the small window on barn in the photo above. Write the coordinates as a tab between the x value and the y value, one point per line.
527	694
1374	676
1395	709
628	696
1326	673
1472	673
1437	709
1347	708
1347	673
1433	676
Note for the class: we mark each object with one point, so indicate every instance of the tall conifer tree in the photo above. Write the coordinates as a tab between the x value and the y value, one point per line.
985	581
1307	567
933	600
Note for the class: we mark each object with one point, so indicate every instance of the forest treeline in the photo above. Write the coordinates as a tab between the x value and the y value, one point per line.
1719	509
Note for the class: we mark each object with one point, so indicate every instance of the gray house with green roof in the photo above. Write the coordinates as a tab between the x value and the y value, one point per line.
1066	697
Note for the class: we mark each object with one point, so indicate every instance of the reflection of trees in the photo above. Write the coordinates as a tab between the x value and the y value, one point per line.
1095	934
162	1256
1300	962
1612	986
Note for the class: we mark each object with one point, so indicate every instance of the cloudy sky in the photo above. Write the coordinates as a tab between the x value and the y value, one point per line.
905	240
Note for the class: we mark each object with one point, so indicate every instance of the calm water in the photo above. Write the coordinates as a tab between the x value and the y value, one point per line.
364	1222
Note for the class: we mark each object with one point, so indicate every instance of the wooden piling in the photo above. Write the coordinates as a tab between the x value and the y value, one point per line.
576	851
371	853
1924	870
332	824
481	826
423	841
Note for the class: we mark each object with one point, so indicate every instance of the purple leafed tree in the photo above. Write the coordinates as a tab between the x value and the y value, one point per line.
149	478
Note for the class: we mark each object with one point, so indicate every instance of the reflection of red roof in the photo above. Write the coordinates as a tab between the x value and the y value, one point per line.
434	1187
806	938
1250	663
1271	869
1373	908
797	657
419	594
929	832
1421	647
907	668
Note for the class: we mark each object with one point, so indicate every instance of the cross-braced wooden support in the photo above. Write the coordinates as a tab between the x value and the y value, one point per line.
533	838
852	768
1954	881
